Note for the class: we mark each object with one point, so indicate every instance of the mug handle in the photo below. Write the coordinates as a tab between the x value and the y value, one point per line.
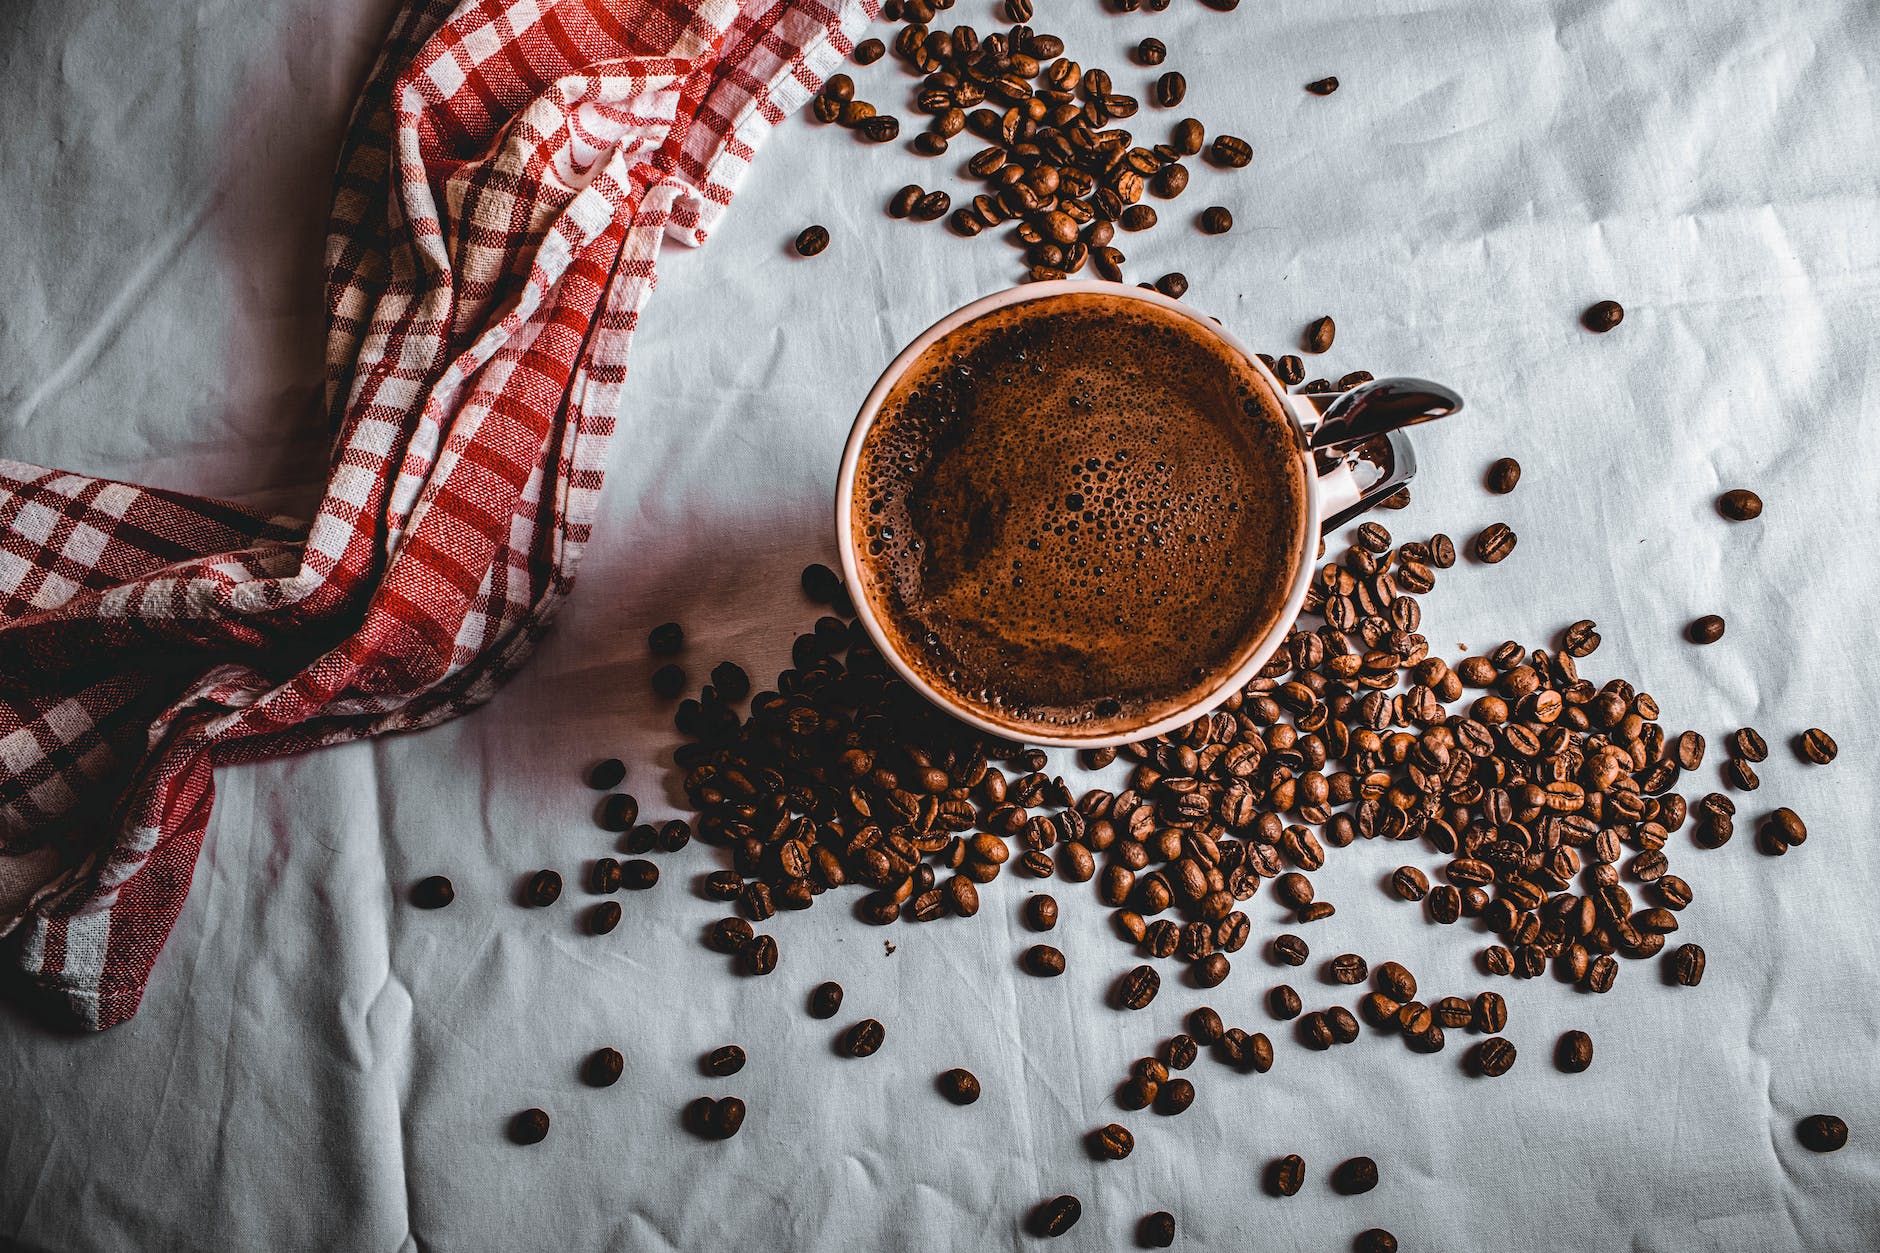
1356	473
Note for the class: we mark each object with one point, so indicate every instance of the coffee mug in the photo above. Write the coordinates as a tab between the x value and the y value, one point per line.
1356	451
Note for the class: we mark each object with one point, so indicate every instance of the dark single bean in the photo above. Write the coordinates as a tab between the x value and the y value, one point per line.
1216	220
1157	1230
1603	316
1740	505
1574	1053
1822	1133
1286	1175
727	1117
1580	639
1180	1051
1705	630
1453	1013
1494	1056
619	812
1687	964
724	1061
760	955
1231	152
812	240
728	935
1170	181
668	681
826	1000
1354	1176
1342	1024
1112	1142
433	892
1058	1215
1188	137
960	1086
1138	217
1171	89
1319	335
603	1068
604	917
1174	285
1491	1013
1740	774
1323	86
529	1127
1409	883
933	206
864	1038
1205	1025
1175	1097
1041	912
1494	543
639	874
1283	1002
604	877
1151	52
607	775
665	639
1503	475
1818	746
869	51
1374	1240
1139	987
544	888
1316	1031
1395	981
1044	961
1349	968
1212	971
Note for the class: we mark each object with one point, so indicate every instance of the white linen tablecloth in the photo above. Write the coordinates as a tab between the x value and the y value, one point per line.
318	1065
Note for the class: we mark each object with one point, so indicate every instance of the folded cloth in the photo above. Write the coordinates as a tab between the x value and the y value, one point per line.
510	171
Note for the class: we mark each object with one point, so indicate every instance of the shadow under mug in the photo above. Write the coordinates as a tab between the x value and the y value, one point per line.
1356	456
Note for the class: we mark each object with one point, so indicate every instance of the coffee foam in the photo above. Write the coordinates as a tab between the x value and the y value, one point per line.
1075	514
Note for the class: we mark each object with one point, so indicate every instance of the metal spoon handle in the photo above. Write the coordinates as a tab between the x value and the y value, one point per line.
1382	405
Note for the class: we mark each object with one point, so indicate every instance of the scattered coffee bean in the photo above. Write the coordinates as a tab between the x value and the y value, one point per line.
605	776
1342	1024
1741	775
1503	475
666	638
1180	1052
1173	285
1151	52
1580	639
1231	152
1323	86
1283	1002
760	955
1818	746
1112	1142
619	812
544	888
1290	950
1394	981
1375	1240
604	877
1175	1097
1491	1013
731	682
603	1068
1354	1176
1574	1053
1603	316
812	240
1216	220
1319	335
433	892
1687	963
869	51
724	1061
728	935
1740	505
1139	987
1316	1031
826	1000
1044	961
715	1120
1822	1133
1286	1175
1170	89
529	1127
1494	543
1018	11
820	583
1290	370
1705	630
1041	912
864	1038
960	1086
1205	1025
1157	1230
639	874
1058	1215
604	917
1349	968
1453	1013
1212	971
1494	1056
1409	883
668	681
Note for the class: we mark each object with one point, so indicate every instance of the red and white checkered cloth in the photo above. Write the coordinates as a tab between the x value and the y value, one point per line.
511	170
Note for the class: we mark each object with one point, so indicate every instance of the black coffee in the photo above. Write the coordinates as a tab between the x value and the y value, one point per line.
1074	514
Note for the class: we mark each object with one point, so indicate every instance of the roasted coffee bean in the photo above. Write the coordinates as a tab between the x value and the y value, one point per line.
1503	475
1286	1175
1216	220
1323	86
1442	551
1138	217
1494	1056
1741	775
669	680
1212	971
602	1068
1494	543
1175	1097
1283	1002
1409	883
1188	137
760	955
1231	152
1170	181
665	639
544	888
1205	1025
1316	1031
1154	1069
1319	335
1600	975
1375	1240
1491	1013
1157	1230
724	1061
1044	961
1673	891
638	875
1394	981
1746	745
826	1000
1690	750
1057	1216
869	51
529	1127
1452	1013
864	1038
1112	1142
716	1120
1687	964
619	812
1290	950
605	776
1354	1176
1343	1026
1603	316
1293	889
1349	968
1705	630
728	935
960	1086
604	877
1041	912
433	892
1171	89
812	240
1740	505
1822	1133
604	917
1574	1053
1415	1018
1174	285
1445	904
1581	639
1180	1051
1018	11
1139	987
1818	746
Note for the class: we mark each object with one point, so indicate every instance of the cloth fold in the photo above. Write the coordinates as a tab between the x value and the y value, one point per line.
507	179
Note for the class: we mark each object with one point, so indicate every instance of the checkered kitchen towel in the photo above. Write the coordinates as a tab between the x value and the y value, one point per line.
511	170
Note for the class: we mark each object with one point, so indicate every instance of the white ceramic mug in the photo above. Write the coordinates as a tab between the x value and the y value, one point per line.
1368	459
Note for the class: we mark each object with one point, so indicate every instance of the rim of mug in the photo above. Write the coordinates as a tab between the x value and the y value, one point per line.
865	422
